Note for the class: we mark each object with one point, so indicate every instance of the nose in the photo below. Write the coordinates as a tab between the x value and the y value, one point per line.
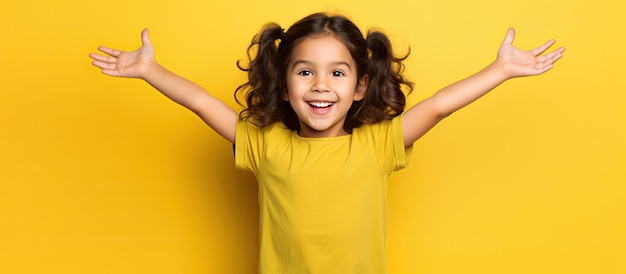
320	84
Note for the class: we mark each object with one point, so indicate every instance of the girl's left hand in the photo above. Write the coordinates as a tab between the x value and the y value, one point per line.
517	63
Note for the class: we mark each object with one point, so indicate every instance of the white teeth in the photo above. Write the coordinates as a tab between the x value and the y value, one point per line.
320	104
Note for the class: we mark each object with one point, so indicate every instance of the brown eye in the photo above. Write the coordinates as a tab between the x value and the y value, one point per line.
305	73
338	73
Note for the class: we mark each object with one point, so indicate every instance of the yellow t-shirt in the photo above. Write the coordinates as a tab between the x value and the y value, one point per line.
322	201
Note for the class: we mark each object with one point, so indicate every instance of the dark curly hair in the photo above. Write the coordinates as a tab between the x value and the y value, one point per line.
269	54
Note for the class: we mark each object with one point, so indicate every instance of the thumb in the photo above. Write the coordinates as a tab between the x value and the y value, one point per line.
145	38
510	35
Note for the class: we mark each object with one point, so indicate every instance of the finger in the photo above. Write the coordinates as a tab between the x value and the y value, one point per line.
145	37
556	54
549	60
510	36
552	58
109	51
542	69
111	72
102	58
540	49
104	65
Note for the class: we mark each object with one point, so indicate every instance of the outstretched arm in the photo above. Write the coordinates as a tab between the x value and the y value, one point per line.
511	62
142	64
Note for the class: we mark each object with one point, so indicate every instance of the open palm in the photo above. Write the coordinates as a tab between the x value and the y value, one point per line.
517	63
126	63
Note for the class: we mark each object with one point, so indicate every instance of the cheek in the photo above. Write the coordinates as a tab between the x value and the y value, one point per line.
295	89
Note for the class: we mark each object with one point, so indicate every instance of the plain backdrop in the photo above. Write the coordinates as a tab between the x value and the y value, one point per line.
105	175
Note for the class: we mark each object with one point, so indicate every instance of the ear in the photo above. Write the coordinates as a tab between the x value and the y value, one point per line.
285	96
361	88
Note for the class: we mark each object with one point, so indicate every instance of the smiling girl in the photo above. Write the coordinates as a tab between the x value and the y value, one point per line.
323	127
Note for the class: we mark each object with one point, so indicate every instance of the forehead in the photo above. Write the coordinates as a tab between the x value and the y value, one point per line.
321	50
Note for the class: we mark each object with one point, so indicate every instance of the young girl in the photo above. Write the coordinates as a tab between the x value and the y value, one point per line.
322	129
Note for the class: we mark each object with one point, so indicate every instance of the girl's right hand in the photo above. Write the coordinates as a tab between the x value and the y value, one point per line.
133	64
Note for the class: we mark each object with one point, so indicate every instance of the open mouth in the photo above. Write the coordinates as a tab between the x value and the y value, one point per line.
320	104
321	107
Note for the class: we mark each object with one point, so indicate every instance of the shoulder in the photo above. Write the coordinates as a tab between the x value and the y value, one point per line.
253	142
379	127
386	140
384	133
248	129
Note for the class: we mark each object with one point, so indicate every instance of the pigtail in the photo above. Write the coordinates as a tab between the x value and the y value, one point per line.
261	98
384	98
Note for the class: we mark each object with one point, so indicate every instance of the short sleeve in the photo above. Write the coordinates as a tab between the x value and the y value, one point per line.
247	140
386	140
402	154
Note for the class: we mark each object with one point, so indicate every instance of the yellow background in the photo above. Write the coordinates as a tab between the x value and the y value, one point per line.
105	175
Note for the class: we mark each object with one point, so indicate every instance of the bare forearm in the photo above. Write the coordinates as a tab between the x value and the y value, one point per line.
219	116
420	118
511	62
175	87
141	64
460	94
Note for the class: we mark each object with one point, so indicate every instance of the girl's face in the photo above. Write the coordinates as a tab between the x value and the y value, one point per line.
321	85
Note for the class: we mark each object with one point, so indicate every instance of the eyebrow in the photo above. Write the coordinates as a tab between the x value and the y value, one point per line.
306	62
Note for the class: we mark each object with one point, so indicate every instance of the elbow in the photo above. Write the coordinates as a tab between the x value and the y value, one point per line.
444	113
442	110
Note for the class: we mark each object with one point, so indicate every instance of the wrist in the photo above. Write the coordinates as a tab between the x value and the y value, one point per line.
500	70
151	68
